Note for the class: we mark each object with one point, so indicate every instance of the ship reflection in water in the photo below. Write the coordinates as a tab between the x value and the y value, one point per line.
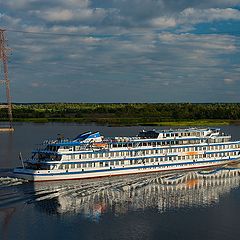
93	198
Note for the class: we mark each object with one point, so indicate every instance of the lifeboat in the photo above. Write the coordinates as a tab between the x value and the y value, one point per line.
100	144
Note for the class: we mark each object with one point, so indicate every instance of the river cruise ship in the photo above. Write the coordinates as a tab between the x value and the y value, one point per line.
91	155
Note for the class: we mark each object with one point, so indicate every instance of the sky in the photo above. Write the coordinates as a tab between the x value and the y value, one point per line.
123	50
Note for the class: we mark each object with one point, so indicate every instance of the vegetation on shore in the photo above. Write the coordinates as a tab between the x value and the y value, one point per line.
155	114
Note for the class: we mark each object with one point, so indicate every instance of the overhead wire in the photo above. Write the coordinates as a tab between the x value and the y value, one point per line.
113	34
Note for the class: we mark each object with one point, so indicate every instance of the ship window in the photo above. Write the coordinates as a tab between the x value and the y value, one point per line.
72	156
60	167
58	158
45	167
72	166
66	166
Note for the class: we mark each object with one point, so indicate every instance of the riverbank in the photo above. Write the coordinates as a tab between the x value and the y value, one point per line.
131	121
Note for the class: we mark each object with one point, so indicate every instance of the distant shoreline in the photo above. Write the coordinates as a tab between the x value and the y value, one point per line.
128	114
127	122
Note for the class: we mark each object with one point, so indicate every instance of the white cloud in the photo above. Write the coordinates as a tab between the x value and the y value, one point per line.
10	21
191	16
163	22
34	28
133	55
89	40
210	42
35	84
64	15
76	3
228	81
18	4
56	14
72	29
208	15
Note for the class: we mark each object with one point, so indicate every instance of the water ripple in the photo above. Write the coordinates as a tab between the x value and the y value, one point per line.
91	197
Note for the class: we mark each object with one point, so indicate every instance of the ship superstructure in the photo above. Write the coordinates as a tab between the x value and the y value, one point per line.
91	155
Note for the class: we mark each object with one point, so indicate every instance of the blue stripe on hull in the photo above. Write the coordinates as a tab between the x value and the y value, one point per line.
130	168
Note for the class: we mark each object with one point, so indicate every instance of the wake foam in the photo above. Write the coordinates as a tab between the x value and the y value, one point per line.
10	181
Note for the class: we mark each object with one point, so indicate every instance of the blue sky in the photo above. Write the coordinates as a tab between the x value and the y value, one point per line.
123	51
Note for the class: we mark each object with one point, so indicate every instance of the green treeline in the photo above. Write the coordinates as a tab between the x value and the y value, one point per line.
129	113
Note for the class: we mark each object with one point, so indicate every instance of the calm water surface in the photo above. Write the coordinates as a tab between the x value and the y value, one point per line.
135	207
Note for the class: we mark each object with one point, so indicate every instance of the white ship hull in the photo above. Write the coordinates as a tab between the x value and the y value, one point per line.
46	175
89	155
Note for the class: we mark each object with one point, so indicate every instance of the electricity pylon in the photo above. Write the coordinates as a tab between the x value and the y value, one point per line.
5	80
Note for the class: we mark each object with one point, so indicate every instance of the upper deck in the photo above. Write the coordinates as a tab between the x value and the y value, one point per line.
94	141
175	133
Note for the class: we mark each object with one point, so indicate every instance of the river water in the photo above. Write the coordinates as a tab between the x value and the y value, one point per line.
195	205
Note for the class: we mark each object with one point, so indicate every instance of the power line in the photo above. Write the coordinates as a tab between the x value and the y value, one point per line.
112	35
68	34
